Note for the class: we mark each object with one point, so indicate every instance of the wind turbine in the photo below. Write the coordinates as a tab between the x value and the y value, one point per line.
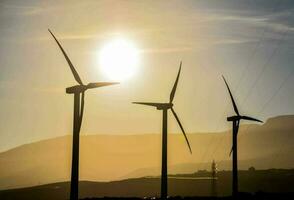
165	107
79	95
236	122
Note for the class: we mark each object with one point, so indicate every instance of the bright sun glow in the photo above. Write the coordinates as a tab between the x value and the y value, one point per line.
119	59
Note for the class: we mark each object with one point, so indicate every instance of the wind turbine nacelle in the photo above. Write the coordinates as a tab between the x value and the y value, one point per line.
233	118
76	89
164	106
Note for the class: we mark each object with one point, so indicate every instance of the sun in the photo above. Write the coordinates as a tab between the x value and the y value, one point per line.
119	59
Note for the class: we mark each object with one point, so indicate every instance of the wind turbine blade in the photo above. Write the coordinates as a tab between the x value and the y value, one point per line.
232	98
74	72
183	131
100	84
148	104
231	152
236	132
172	94
237	126
251	119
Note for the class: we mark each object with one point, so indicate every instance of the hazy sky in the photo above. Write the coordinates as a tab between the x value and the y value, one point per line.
249	41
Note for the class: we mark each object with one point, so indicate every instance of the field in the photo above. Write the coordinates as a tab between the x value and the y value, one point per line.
254	184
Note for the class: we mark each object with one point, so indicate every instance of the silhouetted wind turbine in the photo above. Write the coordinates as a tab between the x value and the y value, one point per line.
77	90
236	122
165	107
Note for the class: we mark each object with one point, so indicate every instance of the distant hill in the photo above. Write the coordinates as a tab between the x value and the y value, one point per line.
112	157
271	181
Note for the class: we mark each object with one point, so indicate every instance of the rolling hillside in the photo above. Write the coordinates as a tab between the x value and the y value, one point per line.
111	157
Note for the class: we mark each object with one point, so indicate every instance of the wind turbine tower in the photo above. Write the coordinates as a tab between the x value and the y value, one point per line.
236	123
165	107
79	95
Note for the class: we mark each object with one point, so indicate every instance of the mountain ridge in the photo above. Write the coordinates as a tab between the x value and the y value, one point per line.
111	157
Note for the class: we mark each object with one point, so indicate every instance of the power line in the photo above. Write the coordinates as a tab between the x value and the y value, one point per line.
265	66
227	105
273	97
276	92
282	84
242	77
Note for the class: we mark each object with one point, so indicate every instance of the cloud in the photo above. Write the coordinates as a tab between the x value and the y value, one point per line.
72	37
166	50
237	17
21	9
233	41
244	29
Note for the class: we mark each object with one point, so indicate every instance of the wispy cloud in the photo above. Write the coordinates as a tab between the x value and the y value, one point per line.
22	9
233	41
72	37
166	50
244	19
